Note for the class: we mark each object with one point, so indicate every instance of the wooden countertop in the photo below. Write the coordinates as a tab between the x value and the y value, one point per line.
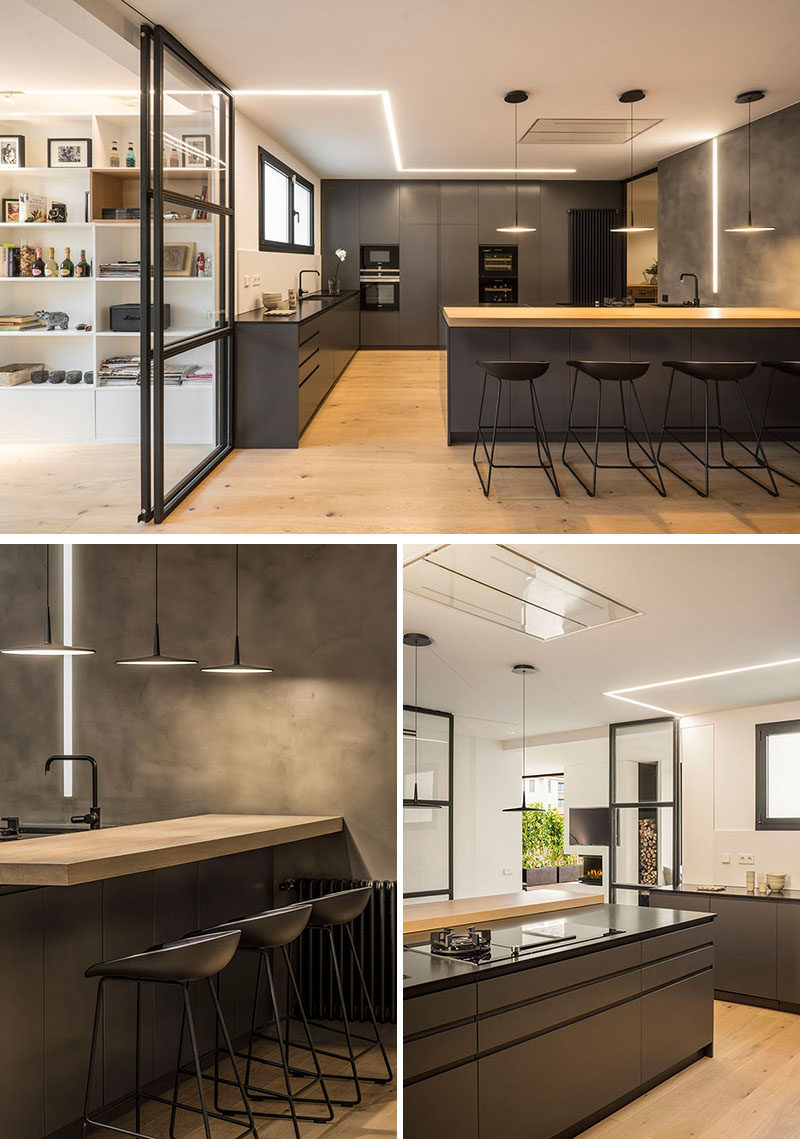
89	856
421	917
643	316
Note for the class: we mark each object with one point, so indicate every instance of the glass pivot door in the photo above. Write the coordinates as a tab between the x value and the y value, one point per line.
187	272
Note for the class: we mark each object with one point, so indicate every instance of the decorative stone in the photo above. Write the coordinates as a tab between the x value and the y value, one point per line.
88	377
39	376
74	376
56	377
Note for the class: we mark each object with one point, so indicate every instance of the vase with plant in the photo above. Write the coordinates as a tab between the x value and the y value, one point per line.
334	281
651	274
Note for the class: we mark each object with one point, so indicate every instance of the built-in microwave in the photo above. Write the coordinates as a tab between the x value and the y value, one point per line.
380	257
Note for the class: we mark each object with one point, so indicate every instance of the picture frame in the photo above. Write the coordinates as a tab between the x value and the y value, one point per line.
69	153
12	150
179	258
201	142
10	210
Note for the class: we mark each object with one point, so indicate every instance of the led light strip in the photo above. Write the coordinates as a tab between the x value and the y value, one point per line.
715	215
66	639
619	694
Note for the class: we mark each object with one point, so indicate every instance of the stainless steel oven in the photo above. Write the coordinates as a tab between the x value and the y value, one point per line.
380	292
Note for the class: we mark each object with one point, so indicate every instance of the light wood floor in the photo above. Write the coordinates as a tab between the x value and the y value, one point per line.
749	1090
374	461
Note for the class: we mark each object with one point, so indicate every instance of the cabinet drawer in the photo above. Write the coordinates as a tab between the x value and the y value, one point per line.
308	362
668	900
539	1016
677	1021
307	338
667	944
446	1104
434	1010
673	968
439	1050
538	980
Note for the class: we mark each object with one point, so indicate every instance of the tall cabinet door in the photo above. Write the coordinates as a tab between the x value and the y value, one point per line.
419	271
187	272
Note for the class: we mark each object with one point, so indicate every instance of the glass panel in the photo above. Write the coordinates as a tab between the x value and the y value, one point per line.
426	850
190	400
302	215
644	762
783	775
644	854
195	125
193	286
433	756
275	204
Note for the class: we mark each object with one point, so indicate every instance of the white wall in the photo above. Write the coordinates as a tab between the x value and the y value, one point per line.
485	841
719	798
278	271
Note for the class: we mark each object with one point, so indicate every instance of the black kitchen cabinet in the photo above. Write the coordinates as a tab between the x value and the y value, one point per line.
529	244
458	264
339	211
747	945
419	281
495	208
381	329
379	212
788	980
458	204
446	1104
22	1001
419	203
677	1020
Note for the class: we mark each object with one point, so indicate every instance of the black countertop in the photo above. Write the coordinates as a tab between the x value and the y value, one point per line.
423	973
306	310
733	892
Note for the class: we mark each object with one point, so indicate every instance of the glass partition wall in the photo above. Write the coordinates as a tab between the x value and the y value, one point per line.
428	823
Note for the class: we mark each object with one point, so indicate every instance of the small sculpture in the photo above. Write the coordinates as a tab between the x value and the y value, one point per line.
56	376
74	376
53	320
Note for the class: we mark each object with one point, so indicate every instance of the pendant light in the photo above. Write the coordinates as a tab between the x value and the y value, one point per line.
418	641
632	97
48	647
750	97
516	97
157	657
236	668
522	670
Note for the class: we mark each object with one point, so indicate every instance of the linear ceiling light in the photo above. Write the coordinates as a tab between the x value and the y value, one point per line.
620	693
715	215
632	97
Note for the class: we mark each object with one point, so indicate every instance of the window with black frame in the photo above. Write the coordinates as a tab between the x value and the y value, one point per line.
778	776
286	207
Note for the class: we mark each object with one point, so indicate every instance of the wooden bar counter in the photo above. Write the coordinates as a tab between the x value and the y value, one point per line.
422	917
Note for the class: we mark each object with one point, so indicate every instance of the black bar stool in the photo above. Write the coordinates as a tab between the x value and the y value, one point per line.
775	431
174	963
620	372
262	934
711	373
329	913
513	371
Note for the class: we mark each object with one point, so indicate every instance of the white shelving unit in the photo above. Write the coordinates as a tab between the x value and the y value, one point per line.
88	412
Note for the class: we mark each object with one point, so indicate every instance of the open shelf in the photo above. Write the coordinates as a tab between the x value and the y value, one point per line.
26	225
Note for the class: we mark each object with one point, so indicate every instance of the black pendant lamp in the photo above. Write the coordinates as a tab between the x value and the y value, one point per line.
236	668
750	97
516	97
157	657
48	647
418	641
522	670
632	97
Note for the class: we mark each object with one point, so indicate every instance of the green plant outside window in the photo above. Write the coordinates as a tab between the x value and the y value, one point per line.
543	839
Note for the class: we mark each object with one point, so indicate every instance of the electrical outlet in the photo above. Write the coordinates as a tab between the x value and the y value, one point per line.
726	860
256	281
507	871
246	281
747	860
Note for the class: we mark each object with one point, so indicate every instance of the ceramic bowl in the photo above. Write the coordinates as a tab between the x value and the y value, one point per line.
776	882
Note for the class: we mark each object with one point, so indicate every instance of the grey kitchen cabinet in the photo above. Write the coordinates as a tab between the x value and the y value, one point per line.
667	901
381	329
788	981
419	278
458	264
676	1021
379	212
339	215
443	1104
529	244
495	207
747	943
419	202
22	1000
458	203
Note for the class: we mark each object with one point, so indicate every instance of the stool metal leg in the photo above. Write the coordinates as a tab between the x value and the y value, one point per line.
98	1008
196	1056
138	1091
178	1070
667	430
345	1021
378	1040
772	490
220	1023
774	434
571	430
494	436
648	450
545	463
479	435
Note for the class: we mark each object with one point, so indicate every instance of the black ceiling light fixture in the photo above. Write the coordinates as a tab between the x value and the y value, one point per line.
750	97
631	97
417	641
157	657
516	97
236	668
48	647
522	670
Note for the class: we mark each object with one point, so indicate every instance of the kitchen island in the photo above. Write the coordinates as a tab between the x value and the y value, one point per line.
132	887
644	332
421	917
545	1043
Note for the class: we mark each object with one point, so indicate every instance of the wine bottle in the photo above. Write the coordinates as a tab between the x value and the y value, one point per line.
38	265
113	158
67	268
83	268
51	265
130	157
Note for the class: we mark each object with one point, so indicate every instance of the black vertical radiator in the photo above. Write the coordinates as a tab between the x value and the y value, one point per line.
595	258
375	937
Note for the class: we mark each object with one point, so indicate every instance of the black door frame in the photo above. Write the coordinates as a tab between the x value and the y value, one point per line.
155	503
438	803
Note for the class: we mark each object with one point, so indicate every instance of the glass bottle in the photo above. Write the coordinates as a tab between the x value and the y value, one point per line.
67	268
83	268
113	158
174	160
130	157
51	265
38	265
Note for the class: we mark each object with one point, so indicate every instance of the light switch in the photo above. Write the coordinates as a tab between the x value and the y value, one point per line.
726	860
507	871
246	281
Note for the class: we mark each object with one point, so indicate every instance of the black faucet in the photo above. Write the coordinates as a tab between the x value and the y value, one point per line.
696	302
92	817
300	290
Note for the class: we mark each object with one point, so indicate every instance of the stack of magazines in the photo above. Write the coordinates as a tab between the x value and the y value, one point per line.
123	371
11	323
128	270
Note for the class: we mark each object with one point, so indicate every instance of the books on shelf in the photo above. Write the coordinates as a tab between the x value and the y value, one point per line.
10	322
123	371
128	270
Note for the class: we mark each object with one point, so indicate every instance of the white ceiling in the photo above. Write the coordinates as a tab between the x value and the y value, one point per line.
704	608
447	64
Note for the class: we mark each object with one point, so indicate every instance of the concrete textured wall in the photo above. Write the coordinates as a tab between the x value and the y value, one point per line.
317	737
754	269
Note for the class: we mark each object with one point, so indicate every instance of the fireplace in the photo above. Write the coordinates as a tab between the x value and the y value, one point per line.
591	869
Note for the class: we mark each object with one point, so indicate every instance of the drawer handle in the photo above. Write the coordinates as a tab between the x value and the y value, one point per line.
309	357
311	337
308	377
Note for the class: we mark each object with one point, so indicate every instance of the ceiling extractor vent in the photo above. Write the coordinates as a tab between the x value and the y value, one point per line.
598	132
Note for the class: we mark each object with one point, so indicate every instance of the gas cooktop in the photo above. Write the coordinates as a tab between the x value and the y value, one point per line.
477	947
